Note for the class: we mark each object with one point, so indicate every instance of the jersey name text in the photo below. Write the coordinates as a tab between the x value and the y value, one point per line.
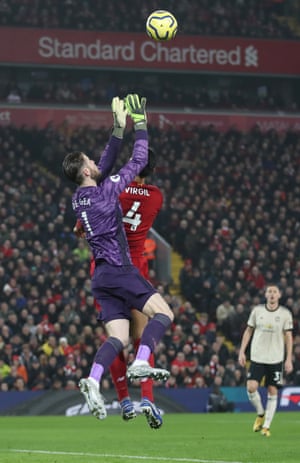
137	191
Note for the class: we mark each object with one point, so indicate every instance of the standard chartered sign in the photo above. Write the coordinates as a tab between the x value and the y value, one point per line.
151	51
54	48
147	52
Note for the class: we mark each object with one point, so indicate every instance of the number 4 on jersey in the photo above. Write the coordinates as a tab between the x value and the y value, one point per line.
132	217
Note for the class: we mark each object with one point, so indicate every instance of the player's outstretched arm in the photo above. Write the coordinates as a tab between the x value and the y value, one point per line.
136	108
113	147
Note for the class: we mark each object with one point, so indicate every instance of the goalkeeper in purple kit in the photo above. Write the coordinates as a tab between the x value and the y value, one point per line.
116	283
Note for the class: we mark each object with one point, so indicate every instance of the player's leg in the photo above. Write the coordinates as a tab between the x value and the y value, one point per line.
118	373
118	336
126	287
119	367
256	373
137	325
271	407
273	382
147	406
161	317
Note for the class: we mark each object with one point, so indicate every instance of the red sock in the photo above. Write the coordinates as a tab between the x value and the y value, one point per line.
118	374
146	384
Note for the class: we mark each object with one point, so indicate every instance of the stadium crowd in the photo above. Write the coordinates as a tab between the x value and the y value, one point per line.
231	210
207	17
200	92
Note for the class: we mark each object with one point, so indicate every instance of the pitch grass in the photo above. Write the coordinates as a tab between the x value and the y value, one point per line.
194	438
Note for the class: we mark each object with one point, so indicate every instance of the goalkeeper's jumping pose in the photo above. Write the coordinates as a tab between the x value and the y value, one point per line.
116	284
140	204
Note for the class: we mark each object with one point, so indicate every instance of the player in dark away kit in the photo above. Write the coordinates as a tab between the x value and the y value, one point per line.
140	204
116	283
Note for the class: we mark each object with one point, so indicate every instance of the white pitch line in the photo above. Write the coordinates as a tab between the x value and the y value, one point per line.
130	457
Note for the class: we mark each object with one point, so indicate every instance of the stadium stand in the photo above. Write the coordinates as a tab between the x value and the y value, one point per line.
239	210
231	207
93	88
209	17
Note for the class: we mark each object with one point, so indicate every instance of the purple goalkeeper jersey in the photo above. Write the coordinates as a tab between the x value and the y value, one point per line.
99	210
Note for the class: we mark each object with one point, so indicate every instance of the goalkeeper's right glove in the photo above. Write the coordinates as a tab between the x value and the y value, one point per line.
119	114
136	110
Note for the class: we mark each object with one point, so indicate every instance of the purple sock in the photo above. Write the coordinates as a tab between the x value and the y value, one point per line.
104	357
96	372
154	331
143	353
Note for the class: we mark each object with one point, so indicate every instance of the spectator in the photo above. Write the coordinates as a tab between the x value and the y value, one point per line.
49	345
237	323
20	368
223	312
207	327
27	357
64	347
181	362
5	369
14	97
193	375
185	278
217	402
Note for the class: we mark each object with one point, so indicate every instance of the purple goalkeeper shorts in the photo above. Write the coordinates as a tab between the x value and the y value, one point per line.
118	290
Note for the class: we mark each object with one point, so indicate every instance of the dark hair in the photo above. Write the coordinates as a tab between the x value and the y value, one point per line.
72	165
149	168
276	285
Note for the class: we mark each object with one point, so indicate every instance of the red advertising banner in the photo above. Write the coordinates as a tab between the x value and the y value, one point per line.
40	117
137	51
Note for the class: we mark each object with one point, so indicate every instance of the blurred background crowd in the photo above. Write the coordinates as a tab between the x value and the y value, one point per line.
231	212
231	204
247	18
198	92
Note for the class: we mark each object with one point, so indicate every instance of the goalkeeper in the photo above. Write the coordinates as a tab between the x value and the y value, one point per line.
140	203
116	283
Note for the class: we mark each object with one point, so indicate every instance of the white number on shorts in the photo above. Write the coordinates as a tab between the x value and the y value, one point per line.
132	217
277	377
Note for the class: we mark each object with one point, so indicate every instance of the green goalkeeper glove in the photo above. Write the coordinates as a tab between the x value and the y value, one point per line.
136	110
119	113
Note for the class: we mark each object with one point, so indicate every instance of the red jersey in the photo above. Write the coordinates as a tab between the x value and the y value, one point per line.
140	204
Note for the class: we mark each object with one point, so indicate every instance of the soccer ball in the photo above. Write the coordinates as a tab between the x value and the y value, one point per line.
161	25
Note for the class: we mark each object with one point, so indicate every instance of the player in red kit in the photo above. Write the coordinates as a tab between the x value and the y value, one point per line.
140	203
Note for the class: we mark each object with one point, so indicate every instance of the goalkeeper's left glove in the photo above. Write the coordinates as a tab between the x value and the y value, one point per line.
136	108
119	114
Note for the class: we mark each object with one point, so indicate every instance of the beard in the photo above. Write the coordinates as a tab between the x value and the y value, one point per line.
96	175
